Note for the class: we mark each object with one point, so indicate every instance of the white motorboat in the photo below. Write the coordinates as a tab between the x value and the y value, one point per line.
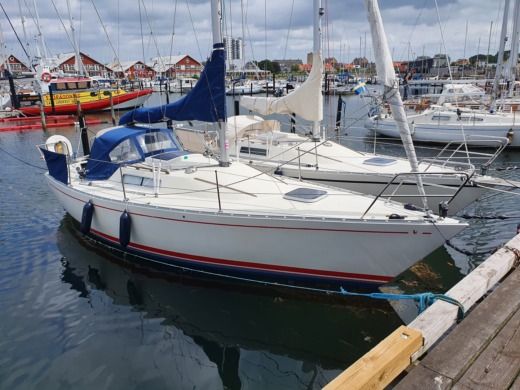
249	88
138	191
444	124
182	84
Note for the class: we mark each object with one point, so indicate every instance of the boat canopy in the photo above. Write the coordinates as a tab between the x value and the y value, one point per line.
205	102
126	145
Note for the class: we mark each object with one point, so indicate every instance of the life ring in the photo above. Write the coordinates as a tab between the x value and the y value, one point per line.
46	77
11	59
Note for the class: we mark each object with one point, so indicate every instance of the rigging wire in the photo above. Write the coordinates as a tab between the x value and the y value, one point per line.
288	30
106	34
141	26
173	28
63	25
15	33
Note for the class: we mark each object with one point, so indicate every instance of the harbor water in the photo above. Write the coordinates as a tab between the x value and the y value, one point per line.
78	315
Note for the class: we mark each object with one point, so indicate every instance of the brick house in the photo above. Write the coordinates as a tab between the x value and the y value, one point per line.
16	66
132	70
65	62
177	66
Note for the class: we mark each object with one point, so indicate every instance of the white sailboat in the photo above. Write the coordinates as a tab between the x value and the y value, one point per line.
262	144
140	192
452	122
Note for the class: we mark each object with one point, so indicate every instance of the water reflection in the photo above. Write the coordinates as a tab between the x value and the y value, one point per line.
252	337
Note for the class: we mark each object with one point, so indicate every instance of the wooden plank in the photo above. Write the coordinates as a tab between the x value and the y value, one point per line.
441	316
423	378
382	364
499	364
516	384
461	347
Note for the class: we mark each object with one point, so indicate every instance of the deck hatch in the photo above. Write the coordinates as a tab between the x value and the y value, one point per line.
380	161
306	195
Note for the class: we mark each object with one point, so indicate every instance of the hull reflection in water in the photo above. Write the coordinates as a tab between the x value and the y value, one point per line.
242	338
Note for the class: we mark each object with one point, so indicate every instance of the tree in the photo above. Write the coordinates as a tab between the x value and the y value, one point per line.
271	66
295	68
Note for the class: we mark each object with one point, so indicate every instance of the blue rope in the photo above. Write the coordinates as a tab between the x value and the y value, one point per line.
424	300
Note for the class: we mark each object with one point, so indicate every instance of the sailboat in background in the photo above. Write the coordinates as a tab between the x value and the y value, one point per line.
454	122
140	192
314	158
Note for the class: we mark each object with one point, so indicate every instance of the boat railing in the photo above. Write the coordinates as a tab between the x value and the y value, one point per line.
442	205
453	154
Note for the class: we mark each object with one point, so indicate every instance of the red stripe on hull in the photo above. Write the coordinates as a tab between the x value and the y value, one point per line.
251	265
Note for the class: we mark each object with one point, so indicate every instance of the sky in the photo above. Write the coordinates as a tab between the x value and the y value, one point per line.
274	29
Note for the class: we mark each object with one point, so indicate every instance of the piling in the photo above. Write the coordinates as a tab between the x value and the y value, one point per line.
112	113
42	116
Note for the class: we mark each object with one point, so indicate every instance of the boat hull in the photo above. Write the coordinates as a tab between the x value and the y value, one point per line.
69	106
479	135
287	249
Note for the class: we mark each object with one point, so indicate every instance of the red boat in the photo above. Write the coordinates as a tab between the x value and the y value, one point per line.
63	94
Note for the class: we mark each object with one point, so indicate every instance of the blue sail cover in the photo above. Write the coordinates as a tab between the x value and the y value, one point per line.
205	102
56	164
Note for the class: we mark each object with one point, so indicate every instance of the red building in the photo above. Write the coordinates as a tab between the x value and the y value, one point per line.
132	70
16	66
177	66
65	63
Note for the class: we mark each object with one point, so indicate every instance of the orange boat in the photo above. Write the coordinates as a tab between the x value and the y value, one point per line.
61	96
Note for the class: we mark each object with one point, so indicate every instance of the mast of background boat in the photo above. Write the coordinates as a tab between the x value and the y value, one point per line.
513	58
25	42
500	60
40	37
386	73
216	26
316	50
77	63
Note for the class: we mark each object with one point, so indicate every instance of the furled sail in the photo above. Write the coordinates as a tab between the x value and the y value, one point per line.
306	101
205	102
386	73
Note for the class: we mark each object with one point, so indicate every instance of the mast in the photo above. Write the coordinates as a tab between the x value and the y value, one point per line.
500	60
216	26
40	35
77	64
386	73
316	51
25	41
513	58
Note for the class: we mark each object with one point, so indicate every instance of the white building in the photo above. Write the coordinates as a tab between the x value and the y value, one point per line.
234	49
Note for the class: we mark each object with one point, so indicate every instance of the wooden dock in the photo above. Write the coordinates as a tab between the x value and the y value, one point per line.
481	352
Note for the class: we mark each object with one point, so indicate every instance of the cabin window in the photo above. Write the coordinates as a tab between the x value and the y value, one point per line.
137	181
61	86
155	141
255	151
471	119
440	118
71	85
82	85
125	151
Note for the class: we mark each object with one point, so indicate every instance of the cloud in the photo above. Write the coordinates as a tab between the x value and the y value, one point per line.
273	29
